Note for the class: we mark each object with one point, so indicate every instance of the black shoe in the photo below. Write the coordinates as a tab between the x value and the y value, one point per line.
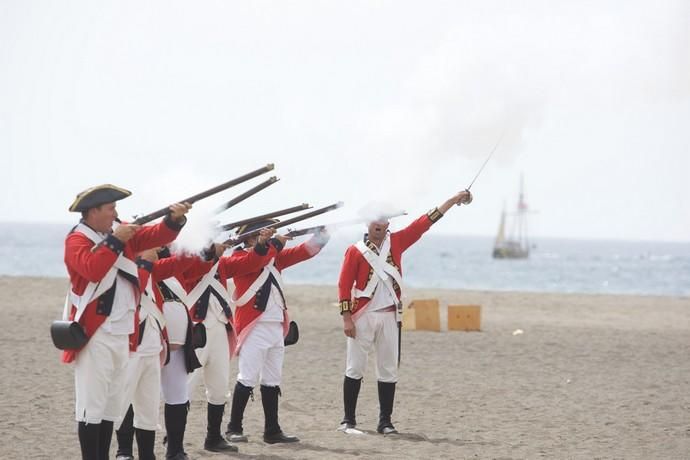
178	456
344	426
219	445
386	428
233	436
124	457
279	437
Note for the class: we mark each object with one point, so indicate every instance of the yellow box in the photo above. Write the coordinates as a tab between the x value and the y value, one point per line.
409	322
464	317
423	315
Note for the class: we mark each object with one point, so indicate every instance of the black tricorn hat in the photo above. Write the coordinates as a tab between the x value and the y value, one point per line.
256	225
96	196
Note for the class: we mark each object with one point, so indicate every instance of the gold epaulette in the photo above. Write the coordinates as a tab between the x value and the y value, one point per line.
434	215
345	305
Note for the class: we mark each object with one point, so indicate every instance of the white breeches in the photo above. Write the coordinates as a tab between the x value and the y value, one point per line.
261	355
99	377
215	362
174	379
143	390
376	331
176	322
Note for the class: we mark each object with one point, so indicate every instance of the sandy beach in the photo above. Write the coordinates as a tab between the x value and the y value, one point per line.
590	377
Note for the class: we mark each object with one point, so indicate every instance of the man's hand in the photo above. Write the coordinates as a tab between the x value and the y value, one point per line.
150	255
178	210
265	234
464	197
282	238
124	232
348	325
219	249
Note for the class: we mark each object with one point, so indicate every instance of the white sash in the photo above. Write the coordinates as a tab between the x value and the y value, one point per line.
176	288
148	305
95	290
208	280
381	269
256	285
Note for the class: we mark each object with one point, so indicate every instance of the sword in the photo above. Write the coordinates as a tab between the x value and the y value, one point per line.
399	311
498	142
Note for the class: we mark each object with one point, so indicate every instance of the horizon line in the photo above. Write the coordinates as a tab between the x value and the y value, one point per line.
444	233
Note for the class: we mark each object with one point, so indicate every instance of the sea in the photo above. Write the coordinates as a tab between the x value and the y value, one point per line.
438	261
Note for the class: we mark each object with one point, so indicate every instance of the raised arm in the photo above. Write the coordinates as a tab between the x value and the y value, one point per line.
291	256
164	232
413	232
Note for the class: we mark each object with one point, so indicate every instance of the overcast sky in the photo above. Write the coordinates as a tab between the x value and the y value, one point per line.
397	101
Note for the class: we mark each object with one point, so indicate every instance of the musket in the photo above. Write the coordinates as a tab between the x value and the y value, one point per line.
252	191
342	223
244	236
269	215
305	231
205	194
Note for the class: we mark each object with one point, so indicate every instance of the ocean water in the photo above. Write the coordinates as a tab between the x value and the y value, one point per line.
437	261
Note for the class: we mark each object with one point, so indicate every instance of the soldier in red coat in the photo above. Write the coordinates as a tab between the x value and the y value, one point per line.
262	322
369	290
159	341
211	313
104	295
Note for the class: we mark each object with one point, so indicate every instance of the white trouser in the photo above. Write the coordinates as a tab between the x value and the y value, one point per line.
261	355
174	379
215	362
375	330
176	321
142	390
99	377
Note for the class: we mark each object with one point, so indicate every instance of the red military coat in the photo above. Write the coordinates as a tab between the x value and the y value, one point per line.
286	257
160	270
357	272
232	266
88	263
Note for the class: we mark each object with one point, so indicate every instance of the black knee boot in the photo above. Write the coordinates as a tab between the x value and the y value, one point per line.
386	398
145	442
240	397
215	442
272	432
175	424
125	435
89	435
104	438
350	394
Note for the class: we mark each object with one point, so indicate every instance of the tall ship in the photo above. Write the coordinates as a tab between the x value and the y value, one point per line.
512	240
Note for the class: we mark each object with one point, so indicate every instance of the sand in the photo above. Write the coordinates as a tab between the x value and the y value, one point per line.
590	377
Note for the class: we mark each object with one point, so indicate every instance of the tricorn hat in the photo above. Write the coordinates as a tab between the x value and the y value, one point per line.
256	225
96	196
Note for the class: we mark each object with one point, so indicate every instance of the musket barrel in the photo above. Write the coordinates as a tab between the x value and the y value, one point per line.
252	191
269	215
205	194
316	212
305	231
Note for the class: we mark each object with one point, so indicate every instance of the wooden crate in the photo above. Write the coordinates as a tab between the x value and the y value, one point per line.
464	317
422	315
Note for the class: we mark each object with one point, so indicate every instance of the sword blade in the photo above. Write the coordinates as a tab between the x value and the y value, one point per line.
498	142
